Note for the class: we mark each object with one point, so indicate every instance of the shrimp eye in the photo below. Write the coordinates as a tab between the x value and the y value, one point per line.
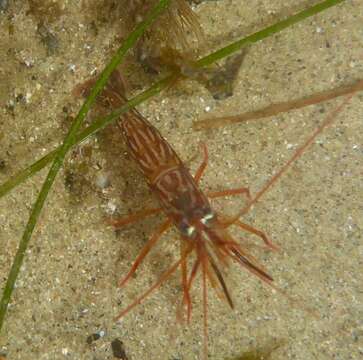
207	219
186	229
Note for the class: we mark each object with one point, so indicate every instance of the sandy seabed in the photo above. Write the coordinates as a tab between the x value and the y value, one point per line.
67	289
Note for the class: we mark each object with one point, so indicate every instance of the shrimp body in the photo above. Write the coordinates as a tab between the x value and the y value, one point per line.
203	231
168	178
188	208
185	205
180	197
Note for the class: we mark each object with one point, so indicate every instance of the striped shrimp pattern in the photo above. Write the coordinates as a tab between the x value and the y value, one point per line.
166	175
202	230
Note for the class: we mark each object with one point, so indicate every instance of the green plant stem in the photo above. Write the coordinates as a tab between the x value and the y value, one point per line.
92	129
164	83
68	142
270	30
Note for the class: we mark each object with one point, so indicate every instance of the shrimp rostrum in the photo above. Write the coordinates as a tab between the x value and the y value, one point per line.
202	230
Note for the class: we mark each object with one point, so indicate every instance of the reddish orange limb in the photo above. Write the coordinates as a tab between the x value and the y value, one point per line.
146	249
162	278
199	173
296	155
140	215
229	192
215	276
186	292
192	275
247	262
186	295
257	232
205	308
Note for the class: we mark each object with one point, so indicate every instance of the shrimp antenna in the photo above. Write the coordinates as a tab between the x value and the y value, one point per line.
298	153
221	282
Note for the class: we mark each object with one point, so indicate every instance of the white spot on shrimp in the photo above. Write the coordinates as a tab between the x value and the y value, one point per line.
190	231
205	220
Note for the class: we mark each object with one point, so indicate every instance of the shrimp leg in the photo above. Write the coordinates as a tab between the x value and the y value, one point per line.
186	295
199	173
162	279
205	308
140	215
257	232
229	192
146	249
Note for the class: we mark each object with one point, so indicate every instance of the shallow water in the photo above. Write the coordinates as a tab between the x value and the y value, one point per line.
67	288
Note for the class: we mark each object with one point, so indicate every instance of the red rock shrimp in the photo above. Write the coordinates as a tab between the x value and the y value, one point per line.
201	229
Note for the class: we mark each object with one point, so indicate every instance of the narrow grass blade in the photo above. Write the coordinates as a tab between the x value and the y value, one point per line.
163	84
270	30
60	154
97	125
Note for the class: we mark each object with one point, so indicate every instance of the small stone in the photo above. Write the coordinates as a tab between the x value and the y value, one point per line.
118	349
